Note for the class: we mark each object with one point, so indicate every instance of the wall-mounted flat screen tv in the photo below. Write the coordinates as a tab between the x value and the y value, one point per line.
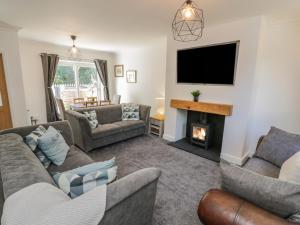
214	64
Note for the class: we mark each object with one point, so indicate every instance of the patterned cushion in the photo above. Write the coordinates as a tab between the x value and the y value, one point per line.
278	146
32	141
53	146
130	112
92	118
77	184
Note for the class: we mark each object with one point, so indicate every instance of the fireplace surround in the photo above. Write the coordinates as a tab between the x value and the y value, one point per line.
204	135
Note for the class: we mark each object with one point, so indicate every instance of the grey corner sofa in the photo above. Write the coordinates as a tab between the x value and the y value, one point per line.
111	128
130	200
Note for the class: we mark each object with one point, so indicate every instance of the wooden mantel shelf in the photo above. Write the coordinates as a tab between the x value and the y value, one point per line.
207	107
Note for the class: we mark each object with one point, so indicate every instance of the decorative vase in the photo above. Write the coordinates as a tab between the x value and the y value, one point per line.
196	98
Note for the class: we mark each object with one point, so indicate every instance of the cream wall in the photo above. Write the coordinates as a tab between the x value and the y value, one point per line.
277	84
239	95
33	72
9	47
150	63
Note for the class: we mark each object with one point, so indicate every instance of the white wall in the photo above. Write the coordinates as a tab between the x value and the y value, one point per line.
150	63
247	31
277	85
9	47
33	72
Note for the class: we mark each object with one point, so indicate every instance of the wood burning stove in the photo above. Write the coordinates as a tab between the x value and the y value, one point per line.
201	134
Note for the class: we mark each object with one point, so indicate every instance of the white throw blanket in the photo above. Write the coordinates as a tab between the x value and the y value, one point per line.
44	204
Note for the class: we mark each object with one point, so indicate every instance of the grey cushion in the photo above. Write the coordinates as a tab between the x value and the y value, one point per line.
109	114
273	195
278	146
10	138
105	130
75	158
262	167
127	125
20	168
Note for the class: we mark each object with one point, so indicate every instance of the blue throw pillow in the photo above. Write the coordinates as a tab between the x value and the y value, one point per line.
75	185
53	146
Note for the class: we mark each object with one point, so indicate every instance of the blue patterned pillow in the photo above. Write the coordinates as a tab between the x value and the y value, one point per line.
130	112
75	185
53	146
92	118
32	141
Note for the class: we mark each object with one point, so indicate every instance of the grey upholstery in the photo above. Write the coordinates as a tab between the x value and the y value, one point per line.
20	168
75	158
279	197
111	128
262	167
278	146
130	200
257	180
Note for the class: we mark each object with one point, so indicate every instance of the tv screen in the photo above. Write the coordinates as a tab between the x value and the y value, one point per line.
207	65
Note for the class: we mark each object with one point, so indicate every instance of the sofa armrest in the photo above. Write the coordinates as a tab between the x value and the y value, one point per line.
63	126
80	126
145	115
131	199
220	207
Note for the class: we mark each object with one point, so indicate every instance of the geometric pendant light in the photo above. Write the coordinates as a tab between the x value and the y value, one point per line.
188	23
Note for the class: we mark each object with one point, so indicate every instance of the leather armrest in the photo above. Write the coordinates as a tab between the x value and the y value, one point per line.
218	207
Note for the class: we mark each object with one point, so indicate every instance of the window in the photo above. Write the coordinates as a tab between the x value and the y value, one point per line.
76	80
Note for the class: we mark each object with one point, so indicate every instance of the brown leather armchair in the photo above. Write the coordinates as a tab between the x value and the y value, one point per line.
218	207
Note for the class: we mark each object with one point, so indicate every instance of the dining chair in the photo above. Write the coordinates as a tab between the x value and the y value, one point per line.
61	108
91	99
78	100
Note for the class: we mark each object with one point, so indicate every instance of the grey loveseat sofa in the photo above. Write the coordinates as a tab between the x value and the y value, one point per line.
111	128
130	200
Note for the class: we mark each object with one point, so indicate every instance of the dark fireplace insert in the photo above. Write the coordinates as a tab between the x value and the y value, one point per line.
204	135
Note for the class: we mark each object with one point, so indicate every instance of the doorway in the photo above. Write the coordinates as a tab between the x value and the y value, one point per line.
5	116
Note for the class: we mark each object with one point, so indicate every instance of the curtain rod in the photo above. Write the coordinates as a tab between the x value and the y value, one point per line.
76	59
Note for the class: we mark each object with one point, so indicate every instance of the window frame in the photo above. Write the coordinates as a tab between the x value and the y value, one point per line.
76	65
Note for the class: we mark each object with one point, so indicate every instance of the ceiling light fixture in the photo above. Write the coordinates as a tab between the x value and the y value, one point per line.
188	23
74	50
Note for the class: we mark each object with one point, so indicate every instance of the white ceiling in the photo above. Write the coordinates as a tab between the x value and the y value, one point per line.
117	24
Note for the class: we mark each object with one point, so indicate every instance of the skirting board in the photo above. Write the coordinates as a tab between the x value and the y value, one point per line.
168	137
234	159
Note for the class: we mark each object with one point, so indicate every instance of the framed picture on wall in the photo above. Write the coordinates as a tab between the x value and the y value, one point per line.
119	71
131	76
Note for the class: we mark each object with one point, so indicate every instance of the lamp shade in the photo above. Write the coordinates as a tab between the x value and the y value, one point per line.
188	23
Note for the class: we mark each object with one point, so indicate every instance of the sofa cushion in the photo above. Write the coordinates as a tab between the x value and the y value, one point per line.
279	197
105	130
262	167
53	146
92	118
32	141
130	112
75	158
109	114
290	170
127	125
278	146
20	168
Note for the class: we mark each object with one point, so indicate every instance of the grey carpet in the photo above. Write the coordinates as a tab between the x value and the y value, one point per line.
185	177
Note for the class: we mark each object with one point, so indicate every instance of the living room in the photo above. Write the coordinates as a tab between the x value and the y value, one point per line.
130	60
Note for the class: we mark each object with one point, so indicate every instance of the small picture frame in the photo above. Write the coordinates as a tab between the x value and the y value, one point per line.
119	71
131	76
